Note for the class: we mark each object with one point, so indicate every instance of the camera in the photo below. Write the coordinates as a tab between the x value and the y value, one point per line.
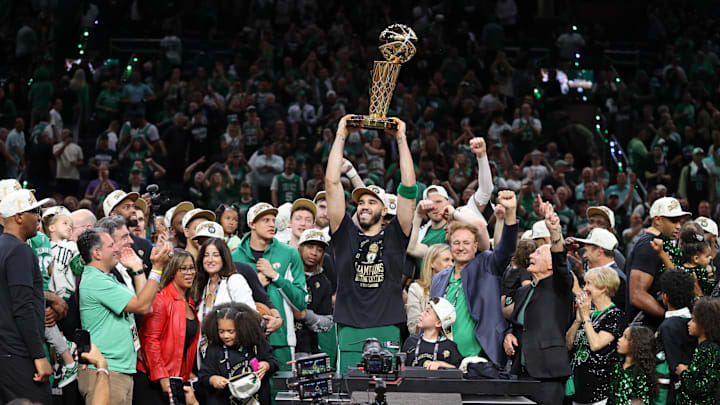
157	198
376	359
314	377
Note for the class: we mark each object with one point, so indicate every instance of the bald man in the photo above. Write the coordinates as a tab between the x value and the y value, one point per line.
82	219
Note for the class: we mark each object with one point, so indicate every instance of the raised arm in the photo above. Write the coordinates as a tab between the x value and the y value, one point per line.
416	248
333	188
485	183
405	205
470	219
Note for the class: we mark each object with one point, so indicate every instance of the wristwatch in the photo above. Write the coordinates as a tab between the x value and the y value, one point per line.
136	273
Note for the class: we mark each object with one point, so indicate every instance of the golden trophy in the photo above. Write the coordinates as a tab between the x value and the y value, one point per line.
397	47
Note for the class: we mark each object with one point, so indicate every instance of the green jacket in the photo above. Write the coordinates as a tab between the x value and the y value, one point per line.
289	291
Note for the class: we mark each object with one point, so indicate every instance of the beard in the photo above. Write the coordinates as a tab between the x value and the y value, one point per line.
374	219
131	223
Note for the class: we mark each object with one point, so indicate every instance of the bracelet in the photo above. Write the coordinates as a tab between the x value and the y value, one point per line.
155	277
556	240
103	370
587	321
158	272
136	273
352	173
409	192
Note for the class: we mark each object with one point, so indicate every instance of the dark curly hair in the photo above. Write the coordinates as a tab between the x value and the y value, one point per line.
692	241
679	286
524	249
706	314
642	351
248	324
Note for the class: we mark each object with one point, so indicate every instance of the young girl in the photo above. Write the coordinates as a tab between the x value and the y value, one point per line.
433	349
700	382
57	225
229	219
634	378
237	347
696	257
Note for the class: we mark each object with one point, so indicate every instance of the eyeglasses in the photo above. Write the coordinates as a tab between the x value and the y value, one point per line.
187	270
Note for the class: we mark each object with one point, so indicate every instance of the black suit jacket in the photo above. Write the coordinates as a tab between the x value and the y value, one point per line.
548	316
143	248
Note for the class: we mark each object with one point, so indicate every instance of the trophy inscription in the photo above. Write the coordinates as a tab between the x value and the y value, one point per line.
397	47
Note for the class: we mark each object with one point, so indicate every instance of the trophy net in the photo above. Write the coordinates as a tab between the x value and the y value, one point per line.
384	76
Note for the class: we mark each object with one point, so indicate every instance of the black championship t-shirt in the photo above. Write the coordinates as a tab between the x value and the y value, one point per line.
644	258
18	267
369	271
447	351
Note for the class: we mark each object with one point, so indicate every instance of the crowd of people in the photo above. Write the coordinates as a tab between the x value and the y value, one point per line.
487	227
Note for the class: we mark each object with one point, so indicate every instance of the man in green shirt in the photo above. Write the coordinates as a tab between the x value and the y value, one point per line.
280	270
287	186
107	308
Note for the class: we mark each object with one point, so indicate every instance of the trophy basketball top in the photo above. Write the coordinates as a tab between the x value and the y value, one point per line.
398	43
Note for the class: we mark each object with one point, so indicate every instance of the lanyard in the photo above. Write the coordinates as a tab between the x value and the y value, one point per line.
417	351
227	360
457	292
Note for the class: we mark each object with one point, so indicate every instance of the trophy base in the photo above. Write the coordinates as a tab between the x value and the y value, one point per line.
371	122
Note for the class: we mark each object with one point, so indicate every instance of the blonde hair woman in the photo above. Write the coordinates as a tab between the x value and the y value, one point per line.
437	258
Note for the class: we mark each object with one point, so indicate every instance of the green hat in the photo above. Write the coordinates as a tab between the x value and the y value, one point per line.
561	163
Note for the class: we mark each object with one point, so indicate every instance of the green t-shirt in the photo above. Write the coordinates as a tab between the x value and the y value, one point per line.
102	300
40	245
432	236
463	329
109	98
288	190
40	94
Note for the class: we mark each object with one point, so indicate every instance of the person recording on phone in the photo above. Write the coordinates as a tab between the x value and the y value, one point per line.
107	308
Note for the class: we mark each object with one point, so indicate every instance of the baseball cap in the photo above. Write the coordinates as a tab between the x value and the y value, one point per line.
604	211
233	118
698	150
445	311
251	108
527	235
376	192
7	186
321	195
708	225
141	204
540	230
667	207
184	206
259	210
561	163
282	218
208	229
305	204
435	190
313	235
197	213
115	198
391	204
18	202
57	210
602	238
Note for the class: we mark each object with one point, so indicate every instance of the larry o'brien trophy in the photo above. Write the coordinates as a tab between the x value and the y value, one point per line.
397	46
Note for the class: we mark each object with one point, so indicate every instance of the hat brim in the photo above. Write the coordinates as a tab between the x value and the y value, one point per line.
39	204
597	211
361	191
264	212
589	242
303	203
678	215
131	195
140	203
321	195
209	215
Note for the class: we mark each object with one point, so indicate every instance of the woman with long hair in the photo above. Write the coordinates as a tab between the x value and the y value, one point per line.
169	335
218	282
634	377
437	258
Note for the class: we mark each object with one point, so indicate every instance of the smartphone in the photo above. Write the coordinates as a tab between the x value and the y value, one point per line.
82	340
193	383
178	393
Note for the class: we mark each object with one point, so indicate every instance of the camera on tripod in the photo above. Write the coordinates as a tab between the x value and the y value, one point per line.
376	359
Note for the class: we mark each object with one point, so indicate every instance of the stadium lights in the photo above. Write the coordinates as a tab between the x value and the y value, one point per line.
574	28
97	22
584	98
577	64
128	68
617	79
80	46
577	55
82	52
135	60
86	33
597	118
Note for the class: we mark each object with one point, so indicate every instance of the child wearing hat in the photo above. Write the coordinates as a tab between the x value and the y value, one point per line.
433	348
